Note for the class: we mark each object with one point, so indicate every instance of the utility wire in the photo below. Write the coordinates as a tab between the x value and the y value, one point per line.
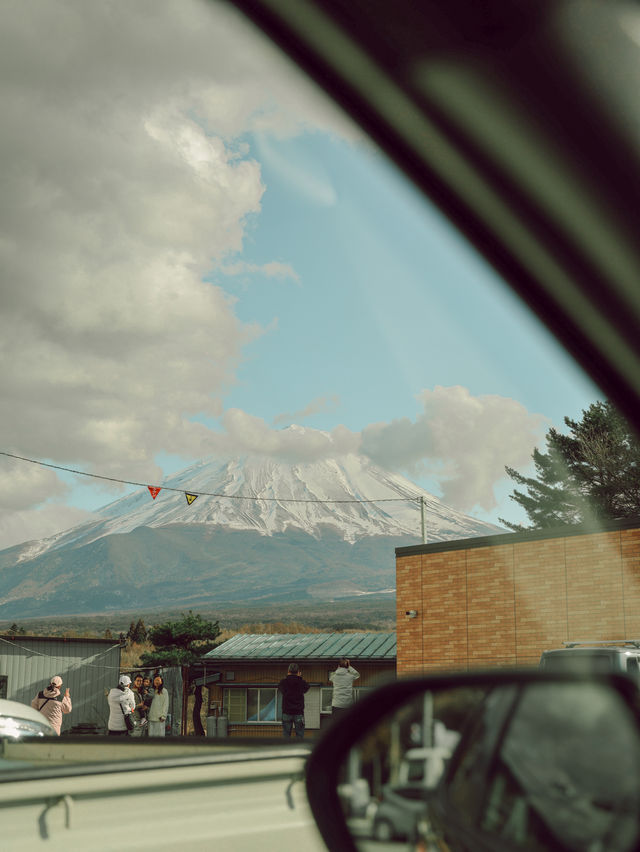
408	498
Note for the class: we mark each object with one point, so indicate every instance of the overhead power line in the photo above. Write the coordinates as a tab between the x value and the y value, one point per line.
408	498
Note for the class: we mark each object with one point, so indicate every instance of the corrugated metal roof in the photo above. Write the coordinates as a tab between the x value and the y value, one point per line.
306	646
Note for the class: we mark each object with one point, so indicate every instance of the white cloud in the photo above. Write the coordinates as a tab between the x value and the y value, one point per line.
464	441
34	524
316	406
125	179
22	484
245	434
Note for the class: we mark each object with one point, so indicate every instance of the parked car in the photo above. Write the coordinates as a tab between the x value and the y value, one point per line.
18	721
398	812
597	656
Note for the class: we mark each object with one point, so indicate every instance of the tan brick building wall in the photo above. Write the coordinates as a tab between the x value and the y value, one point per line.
502	600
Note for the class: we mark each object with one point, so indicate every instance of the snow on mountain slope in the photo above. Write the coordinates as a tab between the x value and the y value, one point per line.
271	497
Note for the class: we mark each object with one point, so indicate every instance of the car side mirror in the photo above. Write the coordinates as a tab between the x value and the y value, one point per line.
501	760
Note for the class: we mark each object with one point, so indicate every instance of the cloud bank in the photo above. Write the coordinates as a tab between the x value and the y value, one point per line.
126	179
464	441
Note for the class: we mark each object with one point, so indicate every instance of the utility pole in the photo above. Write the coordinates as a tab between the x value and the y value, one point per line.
424	529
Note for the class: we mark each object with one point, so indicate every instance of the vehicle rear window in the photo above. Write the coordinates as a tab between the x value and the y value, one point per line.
598	661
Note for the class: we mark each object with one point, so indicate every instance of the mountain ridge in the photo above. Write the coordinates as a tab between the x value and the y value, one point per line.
259	530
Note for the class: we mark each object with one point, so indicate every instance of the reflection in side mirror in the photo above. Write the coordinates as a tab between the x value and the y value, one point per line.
488	762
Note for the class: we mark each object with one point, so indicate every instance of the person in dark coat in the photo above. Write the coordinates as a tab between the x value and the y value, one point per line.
293	688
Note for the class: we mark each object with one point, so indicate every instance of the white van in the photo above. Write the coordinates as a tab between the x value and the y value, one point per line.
584	656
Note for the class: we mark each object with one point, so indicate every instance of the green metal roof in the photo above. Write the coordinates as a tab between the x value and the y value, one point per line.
306	646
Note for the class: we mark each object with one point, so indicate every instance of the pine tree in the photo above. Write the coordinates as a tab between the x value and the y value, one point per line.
141	631
131	632
181	642
592	473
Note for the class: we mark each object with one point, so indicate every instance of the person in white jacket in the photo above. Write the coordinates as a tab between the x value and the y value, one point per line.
159	708
121	703
342	680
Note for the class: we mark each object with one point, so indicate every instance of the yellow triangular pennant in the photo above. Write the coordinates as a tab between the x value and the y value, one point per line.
190	497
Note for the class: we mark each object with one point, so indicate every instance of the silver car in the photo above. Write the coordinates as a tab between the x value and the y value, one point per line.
19	720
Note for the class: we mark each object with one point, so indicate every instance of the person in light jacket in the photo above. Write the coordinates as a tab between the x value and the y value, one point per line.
342	680
121	703
159	709
49	703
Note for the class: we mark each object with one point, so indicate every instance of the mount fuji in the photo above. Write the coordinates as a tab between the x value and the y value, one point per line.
258	530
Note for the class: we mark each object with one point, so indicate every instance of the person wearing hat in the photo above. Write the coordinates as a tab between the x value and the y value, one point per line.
122	703
49	703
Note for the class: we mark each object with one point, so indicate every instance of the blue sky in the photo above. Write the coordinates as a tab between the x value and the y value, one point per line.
390	298
203	251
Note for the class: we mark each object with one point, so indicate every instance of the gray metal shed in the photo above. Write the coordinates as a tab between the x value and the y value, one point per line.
89	667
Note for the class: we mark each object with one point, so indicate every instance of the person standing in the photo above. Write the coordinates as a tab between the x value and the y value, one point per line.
49	703
342	679
159	709
121	706
293	688
140	710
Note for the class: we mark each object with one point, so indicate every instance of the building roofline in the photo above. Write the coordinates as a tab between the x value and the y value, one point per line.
331	660
16	638
508	538
306	647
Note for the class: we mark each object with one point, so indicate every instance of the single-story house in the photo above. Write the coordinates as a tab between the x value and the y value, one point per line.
88	667
242	675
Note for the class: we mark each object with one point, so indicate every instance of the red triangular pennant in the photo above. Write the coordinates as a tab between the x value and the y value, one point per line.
154	490
190	497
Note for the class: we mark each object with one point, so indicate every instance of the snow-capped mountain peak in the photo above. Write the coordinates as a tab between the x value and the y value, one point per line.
351	496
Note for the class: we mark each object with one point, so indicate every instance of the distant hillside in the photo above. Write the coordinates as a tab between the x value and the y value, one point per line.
194	567
368	612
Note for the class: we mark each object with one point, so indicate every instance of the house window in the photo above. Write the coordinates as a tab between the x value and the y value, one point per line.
253	704
3	686
361	691
325	699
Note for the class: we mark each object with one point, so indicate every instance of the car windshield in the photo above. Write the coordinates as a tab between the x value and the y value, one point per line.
237	343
